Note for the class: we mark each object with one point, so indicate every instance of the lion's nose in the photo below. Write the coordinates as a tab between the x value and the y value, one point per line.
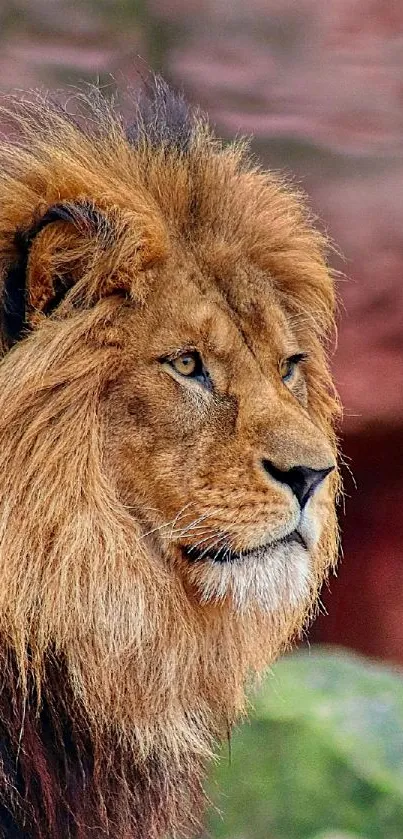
301	479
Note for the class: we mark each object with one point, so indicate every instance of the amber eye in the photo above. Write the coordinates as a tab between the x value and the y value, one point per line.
288	366
187	364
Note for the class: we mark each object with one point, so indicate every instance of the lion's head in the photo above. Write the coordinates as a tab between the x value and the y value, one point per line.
166	418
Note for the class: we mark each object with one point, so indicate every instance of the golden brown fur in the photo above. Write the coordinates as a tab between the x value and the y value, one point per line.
111	466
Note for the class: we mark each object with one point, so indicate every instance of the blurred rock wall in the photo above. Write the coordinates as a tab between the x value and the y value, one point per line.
320	86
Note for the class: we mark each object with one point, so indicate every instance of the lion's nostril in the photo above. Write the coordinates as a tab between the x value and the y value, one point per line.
301	479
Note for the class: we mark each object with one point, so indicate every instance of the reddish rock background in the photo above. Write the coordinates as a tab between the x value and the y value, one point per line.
320	86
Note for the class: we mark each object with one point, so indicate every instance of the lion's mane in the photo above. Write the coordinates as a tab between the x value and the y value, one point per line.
114	683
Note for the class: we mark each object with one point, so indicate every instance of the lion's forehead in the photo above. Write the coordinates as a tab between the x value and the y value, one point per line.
200	310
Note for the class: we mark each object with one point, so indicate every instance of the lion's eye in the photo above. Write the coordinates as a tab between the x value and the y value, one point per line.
190	365
288	366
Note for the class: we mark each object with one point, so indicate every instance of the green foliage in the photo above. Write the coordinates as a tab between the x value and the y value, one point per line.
322	755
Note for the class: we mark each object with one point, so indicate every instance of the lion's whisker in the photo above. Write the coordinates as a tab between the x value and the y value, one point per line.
193	525
212	546
167	523
208	538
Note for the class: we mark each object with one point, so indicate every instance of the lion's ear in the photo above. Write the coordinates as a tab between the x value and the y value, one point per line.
49	257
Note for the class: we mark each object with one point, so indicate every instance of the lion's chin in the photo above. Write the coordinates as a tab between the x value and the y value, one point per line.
272	578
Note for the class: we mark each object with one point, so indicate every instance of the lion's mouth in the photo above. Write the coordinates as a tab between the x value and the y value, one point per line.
226	554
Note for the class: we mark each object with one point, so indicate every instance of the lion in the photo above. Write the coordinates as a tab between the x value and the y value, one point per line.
168	456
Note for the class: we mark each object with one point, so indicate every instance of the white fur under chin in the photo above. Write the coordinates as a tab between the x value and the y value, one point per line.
272	578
